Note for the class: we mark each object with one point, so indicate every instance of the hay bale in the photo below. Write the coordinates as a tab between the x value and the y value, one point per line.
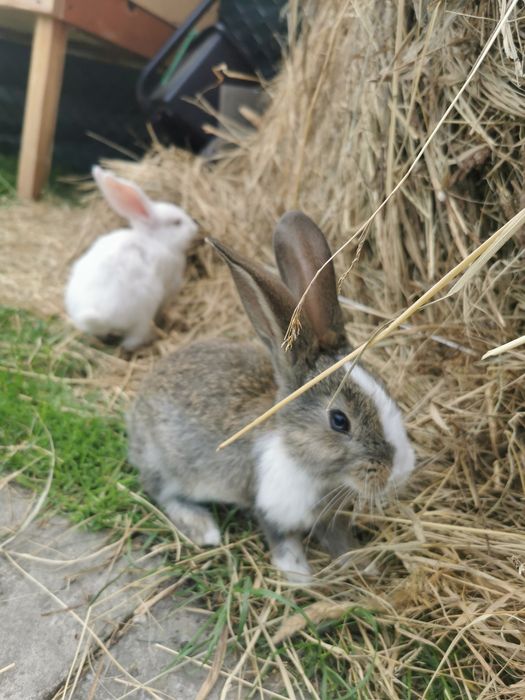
360	93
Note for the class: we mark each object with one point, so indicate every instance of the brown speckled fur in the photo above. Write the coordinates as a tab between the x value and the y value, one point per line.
200	395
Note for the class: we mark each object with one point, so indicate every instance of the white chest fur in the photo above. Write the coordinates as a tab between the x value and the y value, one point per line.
286	494
392	423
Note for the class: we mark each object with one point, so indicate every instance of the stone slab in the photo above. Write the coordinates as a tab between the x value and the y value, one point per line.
153	670
54	577
70	601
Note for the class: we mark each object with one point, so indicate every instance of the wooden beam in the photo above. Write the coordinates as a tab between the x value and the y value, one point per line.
176	12
41	106
42	7
120	23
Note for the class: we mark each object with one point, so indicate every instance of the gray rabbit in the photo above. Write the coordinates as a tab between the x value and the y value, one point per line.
330	444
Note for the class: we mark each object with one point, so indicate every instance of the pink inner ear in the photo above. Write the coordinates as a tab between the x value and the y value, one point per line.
129	201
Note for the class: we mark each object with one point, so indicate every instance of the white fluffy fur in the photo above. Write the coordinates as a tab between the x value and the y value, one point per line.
392	423
125	277
291	560
286	494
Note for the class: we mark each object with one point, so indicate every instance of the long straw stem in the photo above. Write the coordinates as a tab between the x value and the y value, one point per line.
494	242
497	30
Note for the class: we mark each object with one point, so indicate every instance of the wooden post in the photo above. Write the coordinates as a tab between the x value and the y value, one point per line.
41	105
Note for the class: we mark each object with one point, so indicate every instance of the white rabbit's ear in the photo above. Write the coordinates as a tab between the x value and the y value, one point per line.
269	306
124	197
300	250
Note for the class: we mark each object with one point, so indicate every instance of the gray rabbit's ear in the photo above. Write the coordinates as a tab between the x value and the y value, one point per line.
269	305
300	250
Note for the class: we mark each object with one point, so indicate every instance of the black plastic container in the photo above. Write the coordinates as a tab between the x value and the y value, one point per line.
247	39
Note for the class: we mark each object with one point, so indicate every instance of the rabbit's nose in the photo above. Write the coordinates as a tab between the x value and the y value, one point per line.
373	474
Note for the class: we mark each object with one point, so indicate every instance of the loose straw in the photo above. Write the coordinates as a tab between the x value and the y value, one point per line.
497	30
492	244
505	347
500	234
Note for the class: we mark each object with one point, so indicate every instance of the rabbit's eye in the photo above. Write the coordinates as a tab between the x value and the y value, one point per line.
177	222
339	421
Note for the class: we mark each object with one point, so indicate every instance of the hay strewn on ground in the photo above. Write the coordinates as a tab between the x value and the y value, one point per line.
360	94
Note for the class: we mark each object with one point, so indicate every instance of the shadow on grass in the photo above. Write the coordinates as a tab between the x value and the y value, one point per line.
58	186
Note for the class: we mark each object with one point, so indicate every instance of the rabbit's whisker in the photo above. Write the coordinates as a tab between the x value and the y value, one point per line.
332	497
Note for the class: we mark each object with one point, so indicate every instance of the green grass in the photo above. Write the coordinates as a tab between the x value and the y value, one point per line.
357	637
8	165
44	425
51	423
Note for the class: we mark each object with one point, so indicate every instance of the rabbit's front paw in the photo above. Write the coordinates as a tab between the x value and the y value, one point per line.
288	556
195	522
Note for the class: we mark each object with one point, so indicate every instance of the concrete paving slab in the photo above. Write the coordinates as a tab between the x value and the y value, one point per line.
140	651
54	578
72	622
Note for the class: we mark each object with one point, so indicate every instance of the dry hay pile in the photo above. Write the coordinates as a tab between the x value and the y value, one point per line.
362	91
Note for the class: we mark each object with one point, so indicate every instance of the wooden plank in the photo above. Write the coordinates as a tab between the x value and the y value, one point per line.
41	107
176	11
120	23
43	7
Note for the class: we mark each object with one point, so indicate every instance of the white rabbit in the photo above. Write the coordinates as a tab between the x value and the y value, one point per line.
122	281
